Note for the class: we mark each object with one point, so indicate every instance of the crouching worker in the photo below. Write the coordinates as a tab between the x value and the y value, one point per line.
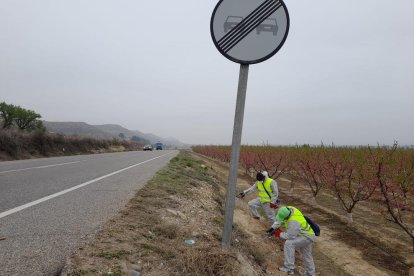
299	235
268	196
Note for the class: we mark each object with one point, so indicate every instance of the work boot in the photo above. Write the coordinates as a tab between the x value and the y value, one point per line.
287	270
258	218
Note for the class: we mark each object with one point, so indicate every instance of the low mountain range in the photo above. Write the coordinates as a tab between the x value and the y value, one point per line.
110	131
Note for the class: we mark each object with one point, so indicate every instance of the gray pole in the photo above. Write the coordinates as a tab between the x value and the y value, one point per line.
235	155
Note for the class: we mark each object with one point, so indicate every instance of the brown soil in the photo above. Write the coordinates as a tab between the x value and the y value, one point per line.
185	202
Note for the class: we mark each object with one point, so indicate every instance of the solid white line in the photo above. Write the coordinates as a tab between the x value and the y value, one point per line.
43	199
40	167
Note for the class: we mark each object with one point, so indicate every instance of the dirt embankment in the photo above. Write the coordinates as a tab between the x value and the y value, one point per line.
174	225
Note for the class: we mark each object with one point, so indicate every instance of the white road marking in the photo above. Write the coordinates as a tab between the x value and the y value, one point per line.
40	167
43	199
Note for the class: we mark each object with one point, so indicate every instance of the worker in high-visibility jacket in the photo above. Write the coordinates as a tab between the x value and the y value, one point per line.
299	235
268	196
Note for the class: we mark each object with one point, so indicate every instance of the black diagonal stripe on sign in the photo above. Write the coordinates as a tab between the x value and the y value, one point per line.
247	24
248	28
245	33
245	21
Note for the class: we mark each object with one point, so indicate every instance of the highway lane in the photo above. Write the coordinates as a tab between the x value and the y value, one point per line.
39	237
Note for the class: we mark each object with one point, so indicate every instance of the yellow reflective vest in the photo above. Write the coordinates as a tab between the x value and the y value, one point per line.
262	188
305	229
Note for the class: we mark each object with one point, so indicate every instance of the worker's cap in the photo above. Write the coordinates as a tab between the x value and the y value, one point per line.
260	176
282	214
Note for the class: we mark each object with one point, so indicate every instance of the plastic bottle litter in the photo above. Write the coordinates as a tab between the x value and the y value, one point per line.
190	242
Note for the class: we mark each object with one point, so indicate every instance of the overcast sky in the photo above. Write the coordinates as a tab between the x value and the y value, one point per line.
345	74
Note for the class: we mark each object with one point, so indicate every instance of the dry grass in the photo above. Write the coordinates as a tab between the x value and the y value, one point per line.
15	144
207	261
183	201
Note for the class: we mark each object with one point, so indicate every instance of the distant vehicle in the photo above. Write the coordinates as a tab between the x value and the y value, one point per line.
269	25
147	147
159	146
231	22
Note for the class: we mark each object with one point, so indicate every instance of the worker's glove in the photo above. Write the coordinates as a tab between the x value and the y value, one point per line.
242	194
273	206
278	232
270	231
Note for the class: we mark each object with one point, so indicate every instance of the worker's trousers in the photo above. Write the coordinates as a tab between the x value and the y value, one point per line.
255	204
304	244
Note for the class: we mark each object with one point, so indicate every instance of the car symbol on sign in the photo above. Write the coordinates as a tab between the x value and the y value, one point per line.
269	25
231	22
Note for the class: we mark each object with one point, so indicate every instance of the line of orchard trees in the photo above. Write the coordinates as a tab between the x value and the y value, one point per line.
382	175
13	116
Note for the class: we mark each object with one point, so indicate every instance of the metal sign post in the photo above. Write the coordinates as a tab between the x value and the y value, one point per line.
235	154
246	32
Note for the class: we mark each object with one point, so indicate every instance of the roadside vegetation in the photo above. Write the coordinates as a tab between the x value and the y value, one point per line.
15	144
22	136
376	183
173	226
13	116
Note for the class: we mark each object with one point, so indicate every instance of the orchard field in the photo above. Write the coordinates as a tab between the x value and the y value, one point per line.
370	188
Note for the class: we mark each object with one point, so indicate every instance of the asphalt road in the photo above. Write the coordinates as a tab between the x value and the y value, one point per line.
48	205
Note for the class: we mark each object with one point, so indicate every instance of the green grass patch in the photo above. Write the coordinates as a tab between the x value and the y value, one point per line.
219	221
113	255
167	231
181	174
115	273
79	272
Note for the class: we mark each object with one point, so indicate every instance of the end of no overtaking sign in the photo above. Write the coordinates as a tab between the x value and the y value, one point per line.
249	31
246	32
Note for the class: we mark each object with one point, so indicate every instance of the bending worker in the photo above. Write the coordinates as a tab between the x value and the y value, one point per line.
298	235
268	196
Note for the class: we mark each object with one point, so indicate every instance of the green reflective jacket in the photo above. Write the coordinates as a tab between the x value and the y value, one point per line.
262	188
305	229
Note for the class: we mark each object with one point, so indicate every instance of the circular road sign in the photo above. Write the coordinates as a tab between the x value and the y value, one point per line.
249	31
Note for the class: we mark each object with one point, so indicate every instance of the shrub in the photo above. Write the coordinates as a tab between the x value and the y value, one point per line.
17	144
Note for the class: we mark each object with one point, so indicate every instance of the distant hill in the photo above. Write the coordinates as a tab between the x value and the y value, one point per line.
116	130
110	131
76	128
